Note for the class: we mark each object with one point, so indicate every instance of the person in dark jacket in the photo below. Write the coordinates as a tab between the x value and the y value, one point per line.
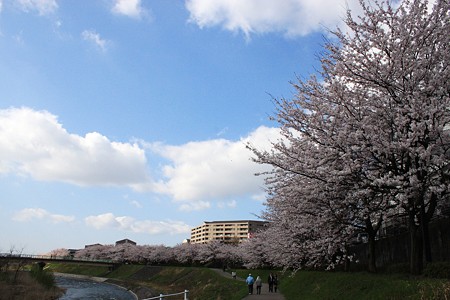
270	282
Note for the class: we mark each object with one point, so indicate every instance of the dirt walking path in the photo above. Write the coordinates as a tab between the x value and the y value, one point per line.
265	295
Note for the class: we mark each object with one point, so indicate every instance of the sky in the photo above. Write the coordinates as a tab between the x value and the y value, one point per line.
130	118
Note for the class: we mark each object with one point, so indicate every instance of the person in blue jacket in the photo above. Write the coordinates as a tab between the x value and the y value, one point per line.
250	280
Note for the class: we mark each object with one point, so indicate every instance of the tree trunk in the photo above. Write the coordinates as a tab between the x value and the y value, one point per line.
372	255
415	262
425	218
425	236
371	233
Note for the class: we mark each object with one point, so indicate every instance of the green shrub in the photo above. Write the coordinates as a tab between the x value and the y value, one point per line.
437	270
398	269
44	277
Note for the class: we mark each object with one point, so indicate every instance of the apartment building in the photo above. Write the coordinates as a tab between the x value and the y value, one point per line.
225	231
126	242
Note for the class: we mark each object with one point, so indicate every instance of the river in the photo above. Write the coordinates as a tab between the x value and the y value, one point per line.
85	289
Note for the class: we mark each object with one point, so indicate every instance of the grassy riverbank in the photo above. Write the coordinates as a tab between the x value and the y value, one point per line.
25	287
338	285
205	284
312	285
147	281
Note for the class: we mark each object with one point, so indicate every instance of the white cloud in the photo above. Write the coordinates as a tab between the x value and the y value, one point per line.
291	17
110	221
195	205
94	37
129	8
219	169
102	221
194	175
33	143
229	204
43	7
29	214
259	197
136	204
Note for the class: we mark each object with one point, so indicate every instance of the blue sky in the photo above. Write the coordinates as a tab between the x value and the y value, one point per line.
129	119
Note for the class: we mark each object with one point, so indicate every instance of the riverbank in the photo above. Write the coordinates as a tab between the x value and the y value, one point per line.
27	288
151	281
204	283
138	291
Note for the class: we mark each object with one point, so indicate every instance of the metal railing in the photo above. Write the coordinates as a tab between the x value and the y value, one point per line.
161	296
54	257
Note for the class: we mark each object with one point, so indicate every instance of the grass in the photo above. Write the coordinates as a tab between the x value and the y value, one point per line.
80	269
125	271
44	277
27	288
205	284
202	283
263	273
337	285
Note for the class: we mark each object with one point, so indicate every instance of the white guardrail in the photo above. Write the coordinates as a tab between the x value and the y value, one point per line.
161	296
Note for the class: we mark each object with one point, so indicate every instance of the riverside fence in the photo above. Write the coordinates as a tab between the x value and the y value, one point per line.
395	249
161	296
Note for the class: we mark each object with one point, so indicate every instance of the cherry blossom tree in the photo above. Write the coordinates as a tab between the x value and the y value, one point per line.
60	252
210	253
366	136
126	253
253	252
95	252
157	254
186	254
229	255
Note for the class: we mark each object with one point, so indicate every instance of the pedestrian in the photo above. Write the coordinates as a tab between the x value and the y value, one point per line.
250	280
275	283
270	282
258	283
233	274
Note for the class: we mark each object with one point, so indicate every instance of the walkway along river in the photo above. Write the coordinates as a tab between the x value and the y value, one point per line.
82	288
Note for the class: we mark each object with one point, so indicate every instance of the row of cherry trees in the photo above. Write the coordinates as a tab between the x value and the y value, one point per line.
365	140
215	253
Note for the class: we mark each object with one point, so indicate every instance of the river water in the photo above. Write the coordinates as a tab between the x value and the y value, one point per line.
85	289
